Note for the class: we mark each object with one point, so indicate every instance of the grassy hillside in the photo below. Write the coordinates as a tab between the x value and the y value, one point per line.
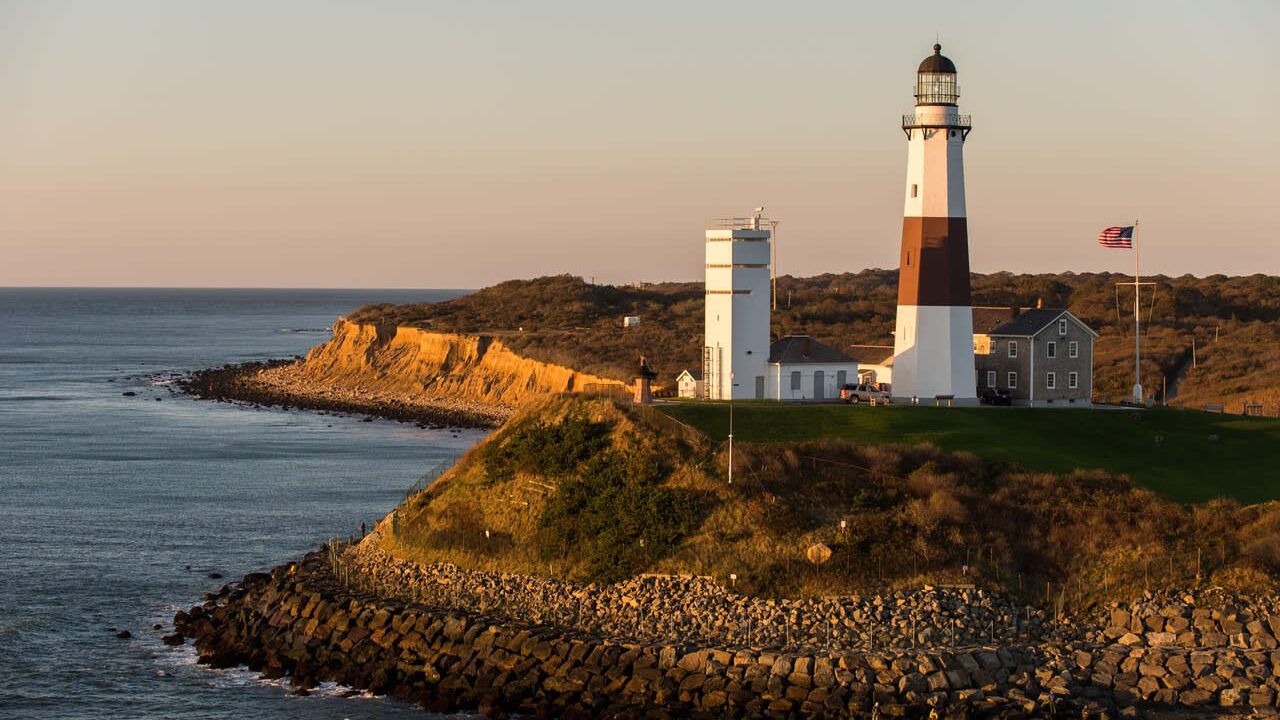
567	321
1187	456
592	490
1240	367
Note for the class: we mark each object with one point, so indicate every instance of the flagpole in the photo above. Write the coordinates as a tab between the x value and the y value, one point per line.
1137	321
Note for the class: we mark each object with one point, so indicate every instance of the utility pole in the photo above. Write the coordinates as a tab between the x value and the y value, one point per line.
773	266
730	428
1137	323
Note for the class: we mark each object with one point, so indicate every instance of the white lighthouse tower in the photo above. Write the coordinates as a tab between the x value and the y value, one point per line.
933	340
735	350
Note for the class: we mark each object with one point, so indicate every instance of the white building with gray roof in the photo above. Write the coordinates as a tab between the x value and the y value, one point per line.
801	368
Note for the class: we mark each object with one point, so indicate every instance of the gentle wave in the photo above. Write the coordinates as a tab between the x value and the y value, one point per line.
10	630
106	498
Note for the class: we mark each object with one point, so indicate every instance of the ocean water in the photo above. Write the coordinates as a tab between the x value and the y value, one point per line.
114	509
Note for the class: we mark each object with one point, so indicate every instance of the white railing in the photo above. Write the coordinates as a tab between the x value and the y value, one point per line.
741	223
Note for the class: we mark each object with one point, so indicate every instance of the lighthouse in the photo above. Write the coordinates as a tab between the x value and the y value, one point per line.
933	339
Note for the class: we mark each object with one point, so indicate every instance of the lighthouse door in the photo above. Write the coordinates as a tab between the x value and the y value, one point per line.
819	385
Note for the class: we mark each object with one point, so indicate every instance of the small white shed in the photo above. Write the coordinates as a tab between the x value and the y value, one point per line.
801	368
689	384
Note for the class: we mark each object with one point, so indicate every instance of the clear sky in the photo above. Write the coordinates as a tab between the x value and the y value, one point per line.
429	144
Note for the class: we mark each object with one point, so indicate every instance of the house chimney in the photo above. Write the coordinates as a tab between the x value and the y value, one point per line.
805	348
1013	312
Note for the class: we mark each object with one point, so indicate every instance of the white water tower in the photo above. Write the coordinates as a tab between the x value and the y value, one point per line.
735	350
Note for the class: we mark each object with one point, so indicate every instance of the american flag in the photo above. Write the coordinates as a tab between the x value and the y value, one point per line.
1116	237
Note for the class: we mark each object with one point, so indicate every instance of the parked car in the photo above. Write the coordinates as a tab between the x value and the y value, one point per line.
995	396
863	392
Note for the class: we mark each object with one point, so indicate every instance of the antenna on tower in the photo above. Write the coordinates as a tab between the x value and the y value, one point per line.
773	263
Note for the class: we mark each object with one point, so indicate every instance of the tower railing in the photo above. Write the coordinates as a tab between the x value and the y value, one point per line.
911	121
740	223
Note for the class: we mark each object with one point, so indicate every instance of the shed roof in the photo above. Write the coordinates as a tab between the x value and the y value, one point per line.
871	354
797	349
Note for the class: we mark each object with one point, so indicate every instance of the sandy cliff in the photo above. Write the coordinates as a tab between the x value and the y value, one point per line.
384	364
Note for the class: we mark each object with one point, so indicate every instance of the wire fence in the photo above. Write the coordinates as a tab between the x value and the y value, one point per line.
418	487
616	391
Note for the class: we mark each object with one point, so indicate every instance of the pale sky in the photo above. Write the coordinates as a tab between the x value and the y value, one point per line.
430	144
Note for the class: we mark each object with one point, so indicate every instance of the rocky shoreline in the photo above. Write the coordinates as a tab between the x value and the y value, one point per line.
686	609
323	619
278	383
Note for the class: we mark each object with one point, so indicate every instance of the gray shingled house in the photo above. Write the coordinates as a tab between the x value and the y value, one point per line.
1042	356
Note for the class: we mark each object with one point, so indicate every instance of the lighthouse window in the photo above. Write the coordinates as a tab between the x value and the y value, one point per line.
915	189
953	133
934	88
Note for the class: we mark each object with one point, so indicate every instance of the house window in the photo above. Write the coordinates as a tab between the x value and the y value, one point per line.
1013	381
915	189
991	378
1051	381
1073	349
1052	349
1013	348
795	380
1073	380
1062	327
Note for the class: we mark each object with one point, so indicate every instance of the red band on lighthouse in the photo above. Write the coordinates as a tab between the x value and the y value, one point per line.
935	262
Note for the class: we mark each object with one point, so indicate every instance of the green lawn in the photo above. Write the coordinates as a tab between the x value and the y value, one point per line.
1187	466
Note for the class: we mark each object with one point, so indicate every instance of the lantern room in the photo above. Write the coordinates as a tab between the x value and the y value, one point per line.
936	80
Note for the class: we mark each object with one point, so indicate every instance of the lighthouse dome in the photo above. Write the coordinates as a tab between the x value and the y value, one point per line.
936	80
937	62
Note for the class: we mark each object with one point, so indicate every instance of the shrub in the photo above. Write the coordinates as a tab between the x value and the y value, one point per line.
550	449
614	502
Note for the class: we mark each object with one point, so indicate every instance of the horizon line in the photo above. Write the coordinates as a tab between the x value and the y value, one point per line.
587	278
